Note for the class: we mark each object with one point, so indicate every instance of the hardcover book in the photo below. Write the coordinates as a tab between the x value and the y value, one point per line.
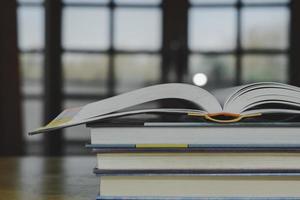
205	161
190	136
199	187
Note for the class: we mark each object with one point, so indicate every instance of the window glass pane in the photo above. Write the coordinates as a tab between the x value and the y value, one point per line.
219	70
264	68
30	27
264	1
31	1
32	117
265	28
136	71
85	73
213	1
138	29
212	29
85	28
154	2
78	132
31	72
86	1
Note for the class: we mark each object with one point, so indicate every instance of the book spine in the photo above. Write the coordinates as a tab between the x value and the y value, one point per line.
119	148
192	198
201	172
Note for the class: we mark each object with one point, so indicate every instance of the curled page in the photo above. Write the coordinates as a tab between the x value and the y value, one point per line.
107	107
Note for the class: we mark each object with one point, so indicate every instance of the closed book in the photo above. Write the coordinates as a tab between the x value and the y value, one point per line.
199	187
187	135
205	161
117	148
193	198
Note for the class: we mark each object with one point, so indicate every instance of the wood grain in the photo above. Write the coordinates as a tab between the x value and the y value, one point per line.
39	178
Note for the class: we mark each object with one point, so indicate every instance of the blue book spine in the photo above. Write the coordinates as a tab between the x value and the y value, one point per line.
99	197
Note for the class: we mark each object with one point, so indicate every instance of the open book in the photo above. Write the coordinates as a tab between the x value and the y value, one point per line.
238	102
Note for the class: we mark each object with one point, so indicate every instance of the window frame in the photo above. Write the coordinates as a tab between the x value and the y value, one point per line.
166	52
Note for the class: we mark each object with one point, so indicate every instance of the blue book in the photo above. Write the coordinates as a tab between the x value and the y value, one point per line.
194	198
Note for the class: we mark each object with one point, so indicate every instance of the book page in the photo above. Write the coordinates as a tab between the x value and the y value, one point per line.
260	94
106	108
224	94
194	94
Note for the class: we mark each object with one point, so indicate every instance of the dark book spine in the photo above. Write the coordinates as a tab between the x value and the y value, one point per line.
191	198
200	172
192	148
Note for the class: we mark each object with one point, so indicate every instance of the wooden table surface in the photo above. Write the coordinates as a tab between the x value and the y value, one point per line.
40	178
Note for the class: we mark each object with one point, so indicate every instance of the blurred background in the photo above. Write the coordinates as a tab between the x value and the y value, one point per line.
66	53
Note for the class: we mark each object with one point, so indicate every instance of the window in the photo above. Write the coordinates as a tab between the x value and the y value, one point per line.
31	44
237	42
108	50
114	46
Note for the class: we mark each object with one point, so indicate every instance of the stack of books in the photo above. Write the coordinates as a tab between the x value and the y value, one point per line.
232	162
240	143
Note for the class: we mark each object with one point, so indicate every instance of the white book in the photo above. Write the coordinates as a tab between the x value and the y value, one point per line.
239	102
199	187
209	161
195	136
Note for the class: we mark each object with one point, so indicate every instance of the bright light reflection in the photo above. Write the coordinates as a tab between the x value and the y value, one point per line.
200	79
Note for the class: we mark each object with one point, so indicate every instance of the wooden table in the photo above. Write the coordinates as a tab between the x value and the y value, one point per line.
39	178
